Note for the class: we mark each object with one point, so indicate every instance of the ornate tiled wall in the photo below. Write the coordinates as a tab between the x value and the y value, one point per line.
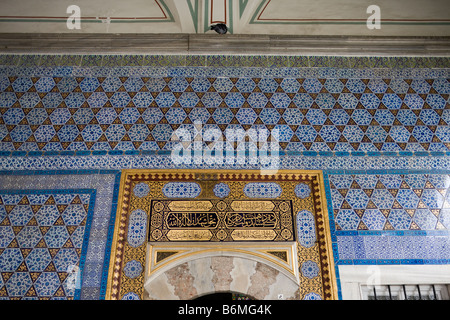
56	233
376	126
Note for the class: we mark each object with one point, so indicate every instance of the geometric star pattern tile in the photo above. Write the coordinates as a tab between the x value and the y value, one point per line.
391	201
56	230
43	242
141	113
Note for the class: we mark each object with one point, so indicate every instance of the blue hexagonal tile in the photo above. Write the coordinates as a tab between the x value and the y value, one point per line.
20	215
13	116
316	117
377	85
188	99
44	84
382	198
347	219
334	85
89	84
138	132
436	101
292	116
120	99
407	198
268	85
355	85
391	101
142	99
199	115
69	133
357	198
325	100
222	115
37	116
222	84
29	236
329	133
420	86
47	284
97	99
65	258
56	236
245	85
47	215
347	100
303	100
257	100
162	132
234	100
74	100
432	198
133	84
175	115
60	116
200	84
19	284
339	117
373	219
7	99
280	100
152	115
165	99
425	219
10	259
384	117
312	85
399	219
38	260
74	214
429	117
22	84
52	100
129	115
282	133
106	115
6	235
212	100
178	84
67	84
246	116
306	133
115	132
270	116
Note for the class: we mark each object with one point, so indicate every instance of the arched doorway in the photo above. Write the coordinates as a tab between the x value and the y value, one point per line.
218	277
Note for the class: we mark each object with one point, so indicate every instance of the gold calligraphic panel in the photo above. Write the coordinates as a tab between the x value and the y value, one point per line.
224	220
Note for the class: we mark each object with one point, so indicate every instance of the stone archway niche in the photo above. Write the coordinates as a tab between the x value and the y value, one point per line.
204	273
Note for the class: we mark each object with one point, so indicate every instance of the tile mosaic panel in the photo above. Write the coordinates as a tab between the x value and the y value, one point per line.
386	118
50	231
56	229
138	108
390	217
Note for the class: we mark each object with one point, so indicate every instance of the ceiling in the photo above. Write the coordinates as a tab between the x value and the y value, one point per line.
274	17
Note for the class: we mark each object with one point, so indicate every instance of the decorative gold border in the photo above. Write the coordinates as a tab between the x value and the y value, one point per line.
248	249
321	215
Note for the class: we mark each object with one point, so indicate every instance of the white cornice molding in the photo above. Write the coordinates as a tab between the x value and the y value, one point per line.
223	44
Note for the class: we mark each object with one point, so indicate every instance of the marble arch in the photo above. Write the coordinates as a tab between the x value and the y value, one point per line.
212	273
